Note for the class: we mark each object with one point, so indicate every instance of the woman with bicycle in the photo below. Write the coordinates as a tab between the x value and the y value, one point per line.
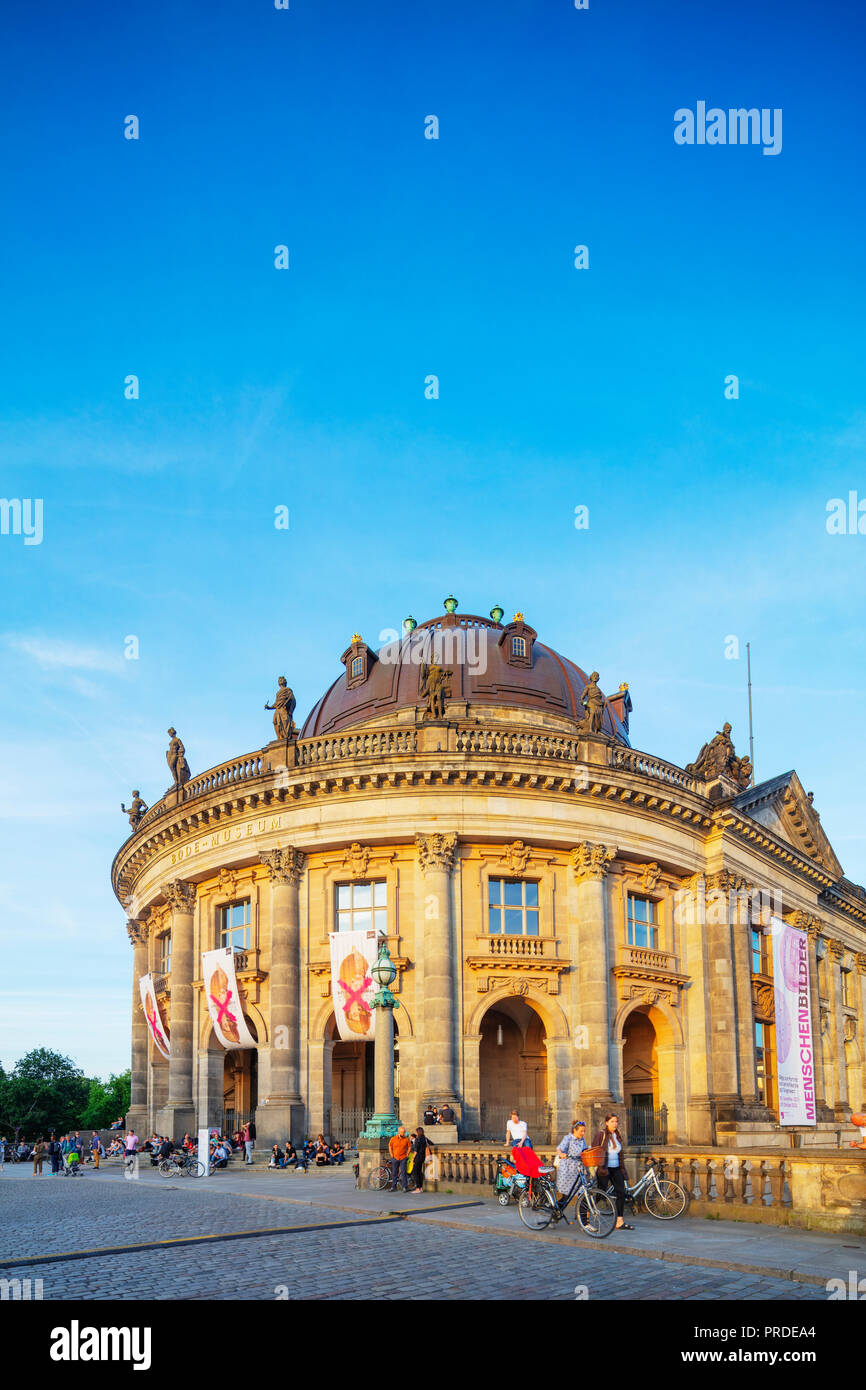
610	1140
569	1166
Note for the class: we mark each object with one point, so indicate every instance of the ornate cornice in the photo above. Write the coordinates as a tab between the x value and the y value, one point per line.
356	859
837	950
284	865
138	931
436	852
805	921
591	861
860	960
724	881
180	894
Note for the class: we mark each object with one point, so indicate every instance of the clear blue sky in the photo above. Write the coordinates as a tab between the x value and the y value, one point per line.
410	256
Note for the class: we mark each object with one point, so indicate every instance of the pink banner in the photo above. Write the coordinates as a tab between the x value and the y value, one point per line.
153	1014
223	998
353	955
795	1059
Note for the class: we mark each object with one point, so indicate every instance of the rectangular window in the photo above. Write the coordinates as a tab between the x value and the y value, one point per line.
163	953
642	924
363	907
512	907
847	991
357	665
518	646
762	959
765	1064
236	925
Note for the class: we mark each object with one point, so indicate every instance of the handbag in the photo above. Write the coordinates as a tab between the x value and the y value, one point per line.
410	1163
558	1159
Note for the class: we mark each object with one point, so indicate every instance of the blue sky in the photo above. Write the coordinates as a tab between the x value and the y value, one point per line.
305	388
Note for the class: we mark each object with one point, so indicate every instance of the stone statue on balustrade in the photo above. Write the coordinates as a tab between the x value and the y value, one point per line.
435	687
135	810
719	759
593	704
284	708
176	758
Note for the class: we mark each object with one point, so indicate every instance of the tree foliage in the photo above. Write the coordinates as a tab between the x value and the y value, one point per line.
46	1092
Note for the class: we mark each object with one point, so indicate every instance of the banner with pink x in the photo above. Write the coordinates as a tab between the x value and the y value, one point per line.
224	1000
353	955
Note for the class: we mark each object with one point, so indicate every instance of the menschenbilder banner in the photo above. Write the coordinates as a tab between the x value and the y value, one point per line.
795	1061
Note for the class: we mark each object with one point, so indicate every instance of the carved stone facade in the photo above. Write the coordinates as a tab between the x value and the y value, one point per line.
590	906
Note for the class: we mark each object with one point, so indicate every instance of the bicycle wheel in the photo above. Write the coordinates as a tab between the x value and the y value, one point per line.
379	1178
196	1169
166	1167
536	1206
596	1213
666	1201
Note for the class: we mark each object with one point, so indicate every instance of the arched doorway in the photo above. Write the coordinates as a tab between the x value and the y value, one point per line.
649	1081
513	1070
240	1088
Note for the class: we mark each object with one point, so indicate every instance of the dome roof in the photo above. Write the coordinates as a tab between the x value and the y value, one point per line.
478	653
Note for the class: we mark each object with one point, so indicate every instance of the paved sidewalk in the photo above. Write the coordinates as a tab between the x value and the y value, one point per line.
808	1257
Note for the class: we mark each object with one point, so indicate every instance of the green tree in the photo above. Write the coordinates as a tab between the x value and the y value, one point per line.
45	1092
106	1100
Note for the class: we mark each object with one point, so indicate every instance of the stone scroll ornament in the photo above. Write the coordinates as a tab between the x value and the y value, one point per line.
353	955
153	1014
223	998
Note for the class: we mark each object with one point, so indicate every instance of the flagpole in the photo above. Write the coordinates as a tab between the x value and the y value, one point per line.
751	731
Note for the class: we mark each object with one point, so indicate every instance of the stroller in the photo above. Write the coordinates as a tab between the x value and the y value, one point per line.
70	1168
508	1183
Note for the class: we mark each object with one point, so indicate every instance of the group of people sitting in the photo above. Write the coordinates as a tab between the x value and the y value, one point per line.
438	1116
316	1151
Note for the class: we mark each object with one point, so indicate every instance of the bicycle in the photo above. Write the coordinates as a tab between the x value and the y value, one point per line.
595	1212
662	1197
178	1164
380	1178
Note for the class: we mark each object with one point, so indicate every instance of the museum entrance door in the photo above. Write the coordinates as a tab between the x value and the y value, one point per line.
513	1070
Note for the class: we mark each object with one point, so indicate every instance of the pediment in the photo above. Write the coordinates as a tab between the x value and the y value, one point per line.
783	807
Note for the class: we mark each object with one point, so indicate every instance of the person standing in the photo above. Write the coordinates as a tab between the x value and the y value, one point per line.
38	1156
569	1150
610	1140
517	1132
398	1148
95	1146
420	1146
2	1152
247	1136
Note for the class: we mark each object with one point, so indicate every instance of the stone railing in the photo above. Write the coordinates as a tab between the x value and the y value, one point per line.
816	1192
644	958
526	946
632	761
377	742
517	743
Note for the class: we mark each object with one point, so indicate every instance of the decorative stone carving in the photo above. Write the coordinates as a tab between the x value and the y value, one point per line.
284	708
805	921
176	758
849	1028
860	960
723	881
436	852
435	686
356	859
516	856
825	1022
180	894
135	810
520	987
763	1000
837	951
228	882
649	877
284	865
591	861
485	984
651	996
718	759
137	932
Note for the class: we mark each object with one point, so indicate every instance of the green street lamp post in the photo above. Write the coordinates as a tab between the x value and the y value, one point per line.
383	1123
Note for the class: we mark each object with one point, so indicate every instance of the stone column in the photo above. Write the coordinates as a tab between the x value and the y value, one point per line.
840	1100
178	1114
281	1111
136	1119
804	921
590	863
720	997
436	854
471	1127
858	1102
691	910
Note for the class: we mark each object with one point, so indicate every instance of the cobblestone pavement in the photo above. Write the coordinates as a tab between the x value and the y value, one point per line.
399	1260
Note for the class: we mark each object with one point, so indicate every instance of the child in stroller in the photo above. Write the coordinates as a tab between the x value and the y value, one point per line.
513	1175
70	1168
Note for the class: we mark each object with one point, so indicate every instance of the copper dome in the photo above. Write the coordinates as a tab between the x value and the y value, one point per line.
475	650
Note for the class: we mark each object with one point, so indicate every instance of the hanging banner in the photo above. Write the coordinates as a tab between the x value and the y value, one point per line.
795	1065
353	955
152	1013
223	998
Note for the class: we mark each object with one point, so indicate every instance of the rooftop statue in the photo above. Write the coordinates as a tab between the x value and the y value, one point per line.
718	759
435	686
176	758
284	708
593	703
135	810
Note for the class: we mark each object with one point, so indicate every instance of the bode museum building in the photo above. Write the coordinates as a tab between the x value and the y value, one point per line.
576	926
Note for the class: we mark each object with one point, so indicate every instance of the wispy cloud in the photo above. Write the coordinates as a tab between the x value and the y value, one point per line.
52	653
